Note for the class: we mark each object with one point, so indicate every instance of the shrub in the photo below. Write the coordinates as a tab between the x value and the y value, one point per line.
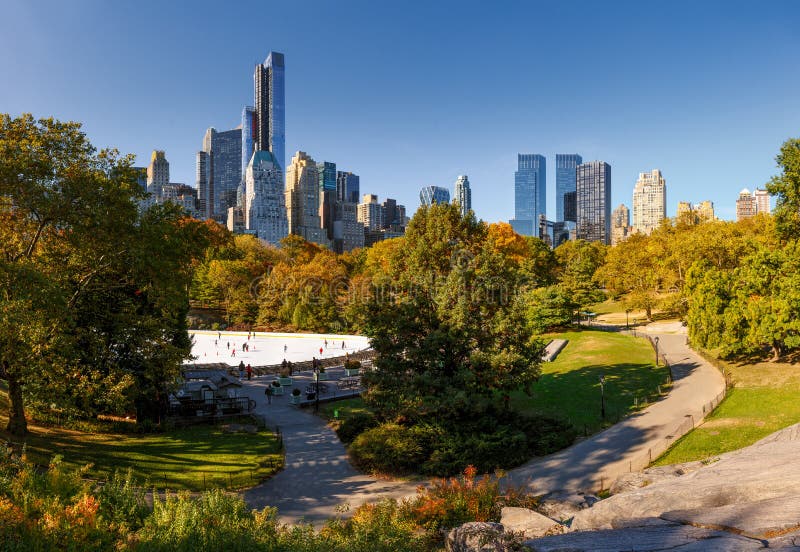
355	424
392	448
385	526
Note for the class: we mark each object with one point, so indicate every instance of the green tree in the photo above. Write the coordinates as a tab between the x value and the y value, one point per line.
786	187
91	291
445	323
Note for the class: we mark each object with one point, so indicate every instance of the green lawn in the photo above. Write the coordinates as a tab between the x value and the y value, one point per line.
193	458
766	398
569	386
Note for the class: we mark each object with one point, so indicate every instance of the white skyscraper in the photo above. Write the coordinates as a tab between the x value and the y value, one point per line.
265	207
649	201
463	194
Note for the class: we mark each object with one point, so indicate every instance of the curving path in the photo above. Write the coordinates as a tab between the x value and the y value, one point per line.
318	479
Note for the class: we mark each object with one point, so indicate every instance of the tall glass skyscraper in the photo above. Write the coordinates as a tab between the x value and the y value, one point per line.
530	192
270	98
248	136
566	164
593	201
223	170
463	194
434	194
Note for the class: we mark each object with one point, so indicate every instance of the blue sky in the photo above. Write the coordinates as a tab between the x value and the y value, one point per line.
408	94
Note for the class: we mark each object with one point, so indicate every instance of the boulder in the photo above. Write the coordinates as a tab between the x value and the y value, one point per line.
562	506
762	519
765	470
528	523
637	480
477	536
671	537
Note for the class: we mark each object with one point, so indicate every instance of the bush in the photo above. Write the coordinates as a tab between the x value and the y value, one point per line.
354	425
392	448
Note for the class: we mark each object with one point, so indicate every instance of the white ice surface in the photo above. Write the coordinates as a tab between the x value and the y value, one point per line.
267	348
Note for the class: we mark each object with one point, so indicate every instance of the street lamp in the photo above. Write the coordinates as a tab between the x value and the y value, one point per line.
627	311
315	366
656	342
602	397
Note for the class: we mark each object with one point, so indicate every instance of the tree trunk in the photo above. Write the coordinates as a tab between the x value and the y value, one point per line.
649	312
776	351
17	425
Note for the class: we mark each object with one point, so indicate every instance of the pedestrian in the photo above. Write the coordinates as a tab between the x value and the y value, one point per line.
219	335
233	352
244	347
289	364
320	351
284	348
229	344
249	372
284	365
314	363
326	343
241	369
268	393
215	343
342	344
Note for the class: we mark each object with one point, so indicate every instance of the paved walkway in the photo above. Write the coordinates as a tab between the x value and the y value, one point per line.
318	478
594	463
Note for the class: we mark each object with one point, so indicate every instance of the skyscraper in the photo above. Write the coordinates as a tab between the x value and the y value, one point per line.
347	187
433	194
746	205
223	170
593	201
762	201
370	213
270	100
530	182
649	201
265	204
205	189
565	181
303	199
248	137
463	194
326	172
620	224
348	232
157	174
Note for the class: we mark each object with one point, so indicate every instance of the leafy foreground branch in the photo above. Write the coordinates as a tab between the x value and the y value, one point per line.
58	510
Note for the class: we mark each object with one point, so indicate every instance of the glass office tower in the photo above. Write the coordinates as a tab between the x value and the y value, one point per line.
270	98
434	194
530	192
566	163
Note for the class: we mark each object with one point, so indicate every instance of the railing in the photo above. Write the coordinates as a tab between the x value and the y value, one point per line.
201	408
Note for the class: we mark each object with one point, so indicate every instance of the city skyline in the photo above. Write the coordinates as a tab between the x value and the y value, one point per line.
378	112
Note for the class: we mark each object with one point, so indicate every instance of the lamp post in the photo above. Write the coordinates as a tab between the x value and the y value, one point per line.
602	398
656	342
315	366
627	326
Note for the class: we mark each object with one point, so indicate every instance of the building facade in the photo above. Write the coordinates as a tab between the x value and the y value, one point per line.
566	164
302	197
649	201
248	136
348	232
157	174
530	184
219	172
347	187
270	108
762	201
265	203
746	205
620	224
370	213
433	194
593	201
463	194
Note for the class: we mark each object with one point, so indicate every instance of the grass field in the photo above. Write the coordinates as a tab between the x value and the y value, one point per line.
193	458
766	398
569	387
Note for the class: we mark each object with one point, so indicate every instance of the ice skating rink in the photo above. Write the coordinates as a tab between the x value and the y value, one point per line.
268	348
